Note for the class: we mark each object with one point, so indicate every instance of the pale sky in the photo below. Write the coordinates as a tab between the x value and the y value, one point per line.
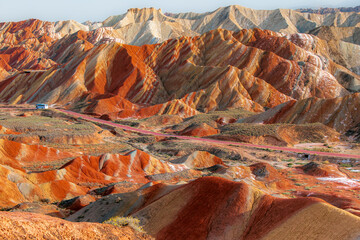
99	10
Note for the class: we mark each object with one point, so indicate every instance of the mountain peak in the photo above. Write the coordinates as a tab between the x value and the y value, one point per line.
140	10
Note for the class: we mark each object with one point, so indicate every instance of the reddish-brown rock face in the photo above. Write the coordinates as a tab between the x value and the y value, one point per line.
4	130
18	155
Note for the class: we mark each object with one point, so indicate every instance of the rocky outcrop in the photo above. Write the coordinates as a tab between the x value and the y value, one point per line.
199	159
199	130
329	170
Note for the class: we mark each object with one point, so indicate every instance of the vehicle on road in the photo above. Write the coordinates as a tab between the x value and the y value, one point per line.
42	106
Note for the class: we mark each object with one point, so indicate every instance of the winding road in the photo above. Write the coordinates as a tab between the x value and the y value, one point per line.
207	140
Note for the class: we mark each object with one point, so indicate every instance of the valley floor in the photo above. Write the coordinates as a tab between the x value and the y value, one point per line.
72	166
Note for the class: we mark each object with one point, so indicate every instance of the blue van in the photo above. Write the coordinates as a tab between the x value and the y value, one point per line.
42	106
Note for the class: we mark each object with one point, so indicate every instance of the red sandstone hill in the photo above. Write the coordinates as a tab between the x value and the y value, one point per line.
244	69
87	68
226	210
251	69
72	177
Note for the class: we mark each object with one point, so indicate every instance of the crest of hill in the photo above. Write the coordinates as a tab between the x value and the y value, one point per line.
150	25
236	17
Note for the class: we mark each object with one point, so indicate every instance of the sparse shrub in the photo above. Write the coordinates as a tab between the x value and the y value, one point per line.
267	149
345	165
287	160
125	221
321	150
45	200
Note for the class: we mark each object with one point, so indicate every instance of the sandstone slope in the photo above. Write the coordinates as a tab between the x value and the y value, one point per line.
338	113
343	43
37	226
226	209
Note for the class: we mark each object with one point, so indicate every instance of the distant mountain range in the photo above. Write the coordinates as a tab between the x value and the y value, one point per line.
150	25
329	10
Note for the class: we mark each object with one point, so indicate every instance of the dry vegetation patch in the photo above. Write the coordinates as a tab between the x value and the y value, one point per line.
279	134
